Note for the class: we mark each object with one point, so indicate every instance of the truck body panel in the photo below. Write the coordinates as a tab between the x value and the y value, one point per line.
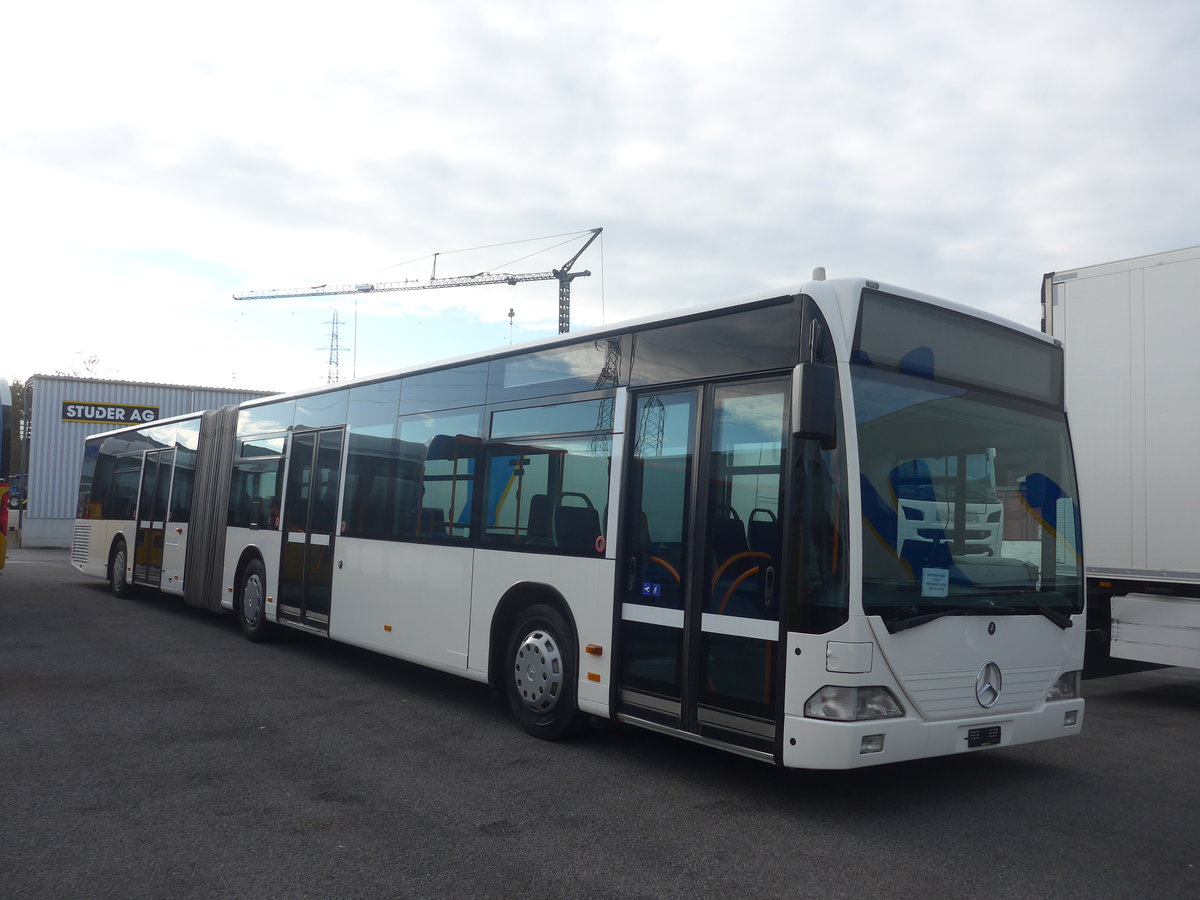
1129	330
1153	628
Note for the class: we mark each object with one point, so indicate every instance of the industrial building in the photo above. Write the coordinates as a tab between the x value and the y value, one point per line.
68	409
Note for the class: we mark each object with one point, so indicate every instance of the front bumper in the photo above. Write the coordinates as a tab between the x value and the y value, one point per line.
821	744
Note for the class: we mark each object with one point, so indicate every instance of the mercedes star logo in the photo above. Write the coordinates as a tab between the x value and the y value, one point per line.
987	685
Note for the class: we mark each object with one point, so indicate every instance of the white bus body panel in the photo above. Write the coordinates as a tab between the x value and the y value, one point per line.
404	599
586	585
92	541
174	554
932	671
434	605
1157	629
266	543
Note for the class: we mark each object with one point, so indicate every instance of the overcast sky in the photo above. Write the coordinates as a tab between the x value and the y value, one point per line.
155	159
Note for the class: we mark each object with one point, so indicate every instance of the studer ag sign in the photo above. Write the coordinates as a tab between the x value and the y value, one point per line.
117	413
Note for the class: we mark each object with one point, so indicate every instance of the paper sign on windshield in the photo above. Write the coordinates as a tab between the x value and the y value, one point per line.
935	582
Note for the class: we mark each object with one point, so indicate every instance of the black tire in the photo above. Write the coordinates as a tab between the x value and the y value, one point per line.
539	674
120	564
252	603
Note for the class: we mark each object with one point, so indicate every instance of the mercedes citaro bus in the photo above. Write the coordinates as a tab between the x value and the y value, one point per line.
690	523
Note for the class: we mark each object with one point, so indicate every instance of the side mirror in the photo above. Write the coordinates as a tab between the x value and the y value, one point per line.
814	403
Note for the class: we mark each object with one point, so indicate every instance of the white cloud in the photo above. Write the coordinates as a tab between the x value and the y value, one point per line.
156	161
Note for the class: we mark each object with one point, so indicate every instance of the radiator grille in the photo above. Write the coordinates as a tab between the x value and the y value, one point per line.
949	695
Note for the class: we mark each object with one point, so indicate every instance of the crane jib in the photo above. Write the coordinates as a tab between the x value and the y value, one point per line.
564	276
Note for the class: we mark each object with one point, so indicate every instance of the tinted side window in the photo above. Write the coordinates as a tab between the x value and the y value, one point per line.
550	493
444	389
446	446
256	482
755	340
162	485
382	480
93	482
121	501
271	417
563	370
380	475
557	418
321	410
187	434
159	437
181	487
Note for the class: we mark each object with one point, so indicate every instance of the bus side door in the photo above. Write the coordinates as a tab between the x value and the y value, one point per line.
310	526
701	551
153	493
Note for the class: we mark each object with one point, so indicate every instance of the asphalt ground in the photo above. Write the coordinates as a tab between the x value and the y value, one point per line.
148	750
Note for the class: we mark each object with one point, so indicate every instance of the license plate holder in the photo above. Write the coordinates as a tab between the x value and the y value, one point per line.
988	736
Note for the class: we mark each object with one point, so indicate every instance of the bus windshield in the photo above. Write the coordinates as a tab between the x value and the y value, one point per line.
968	502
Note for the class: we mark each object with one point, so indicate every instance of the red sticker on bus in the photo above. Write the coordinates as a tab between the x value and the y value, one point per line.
600	544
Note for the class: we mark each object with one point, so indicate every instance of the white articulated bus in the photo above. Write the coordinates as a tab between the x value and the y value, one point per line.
687	523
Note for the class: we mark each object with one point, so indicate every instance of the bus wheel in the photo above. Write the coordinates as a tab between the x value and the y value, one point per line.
540	676
120	583
252	603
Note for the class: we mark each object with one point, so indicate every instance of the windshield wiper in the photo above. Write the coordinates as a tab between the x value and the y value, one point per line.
908	616
902	622
1062	620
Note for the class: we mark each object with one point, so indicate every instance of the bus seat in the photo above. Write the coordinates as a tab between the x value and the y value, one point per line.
577	527
431	522
371	518
763	531
732	561
538	528
727	538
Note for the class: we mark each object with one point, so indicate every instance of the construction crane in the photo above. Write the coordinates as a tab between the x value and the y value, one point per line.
563	275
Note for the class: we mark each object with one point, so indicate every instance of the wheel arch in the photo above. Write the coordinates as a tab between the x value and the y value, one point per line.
515	601
118	538
249	554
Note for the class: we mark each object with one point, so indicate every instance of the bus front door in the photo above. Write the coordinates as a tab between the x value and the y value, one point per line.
310	527
700	598
153	493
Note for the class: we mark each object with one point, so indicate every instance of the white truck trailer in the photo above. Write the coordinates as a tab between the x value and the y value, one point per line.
1131	331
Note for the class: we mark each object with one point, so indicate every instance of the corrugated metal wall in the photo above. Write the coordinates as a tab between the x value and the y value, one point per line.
56	447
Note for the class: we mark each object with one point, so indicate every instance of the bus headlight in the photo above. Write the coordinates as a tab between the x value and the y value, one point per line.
850	704
1066	688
